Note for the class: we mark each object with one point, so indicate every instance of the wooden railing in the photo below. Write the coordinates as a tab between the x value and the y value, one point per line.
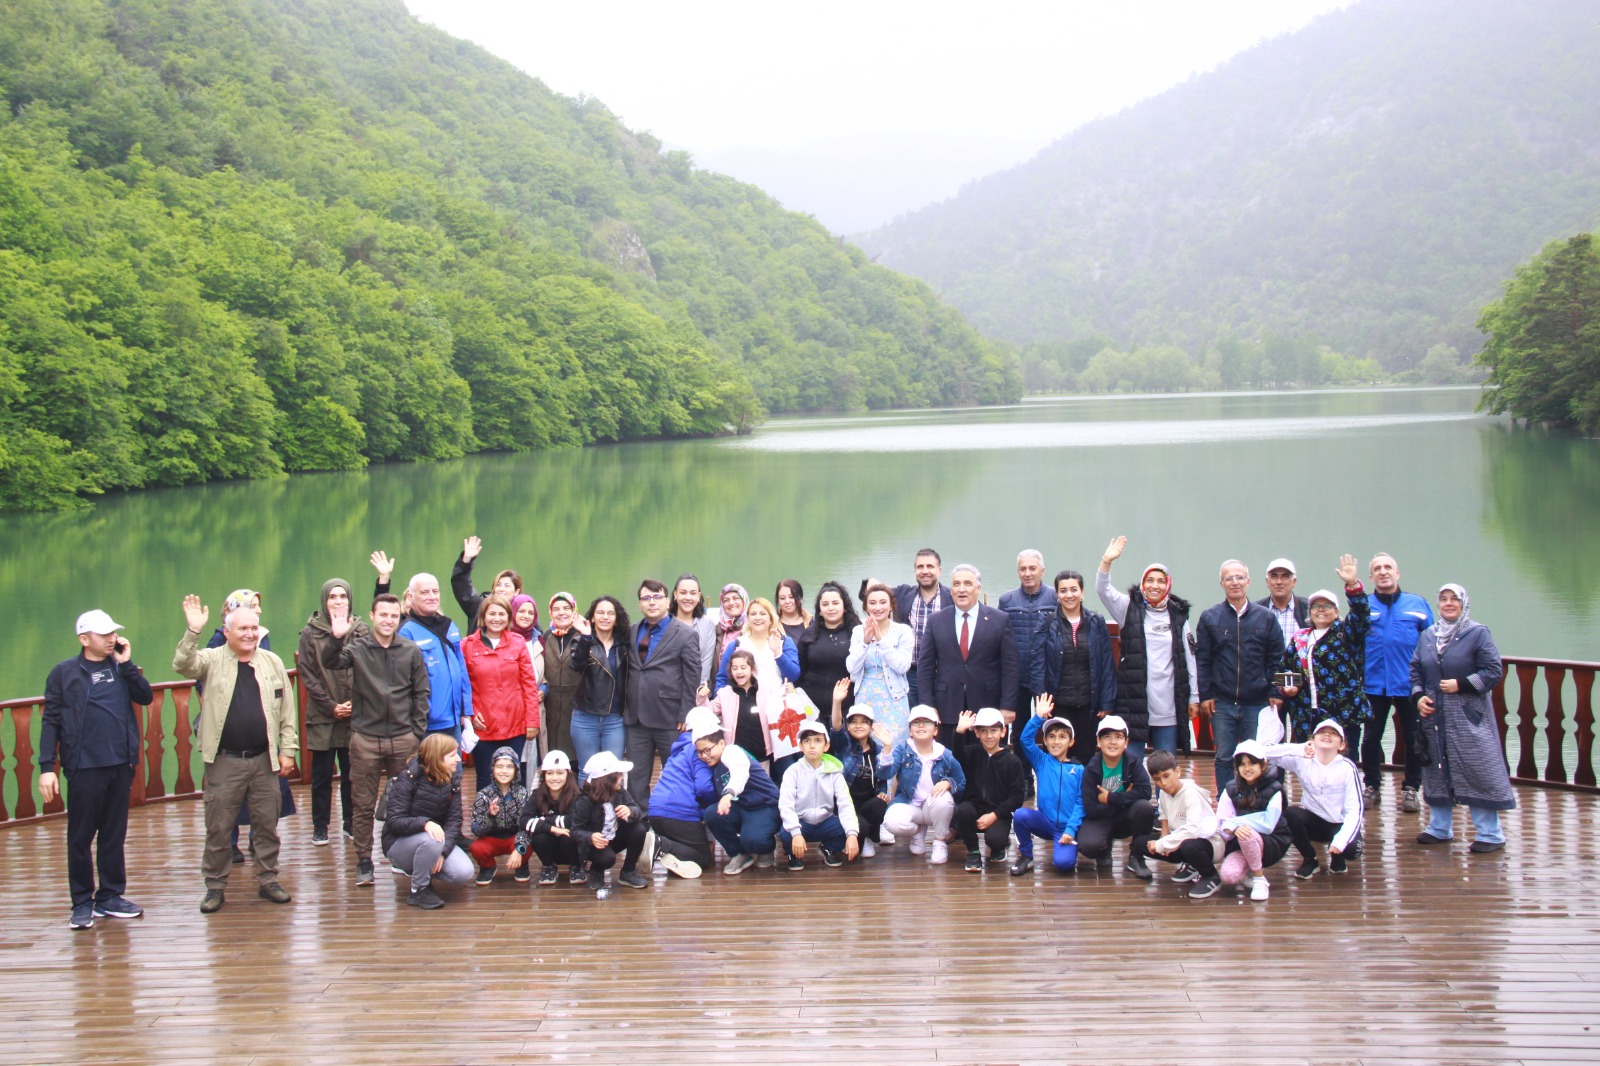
1545	733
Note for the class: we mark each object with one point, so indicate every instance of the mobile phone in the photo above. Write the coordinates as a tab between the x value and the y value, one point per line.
120	646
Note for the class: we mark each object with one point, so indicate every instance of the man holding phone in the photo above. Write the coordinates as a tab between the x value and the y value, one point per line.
89	719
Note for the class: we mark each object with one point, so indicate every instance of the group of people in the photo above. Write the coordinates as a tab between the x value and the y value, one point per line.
929	717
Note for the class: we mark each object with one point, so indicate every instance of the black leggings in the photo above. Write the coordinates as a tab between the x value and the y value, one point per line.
966	825
869	812
682	839
1304	827
629	840
554	850
1137	820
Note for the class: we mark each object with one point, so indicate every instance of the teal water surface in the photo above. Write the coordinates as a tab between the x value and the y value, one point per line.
1191	480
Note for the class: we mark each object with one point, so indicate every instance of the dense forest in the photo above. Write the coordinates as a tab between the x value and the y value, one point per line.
1543	352
1364	184
239	237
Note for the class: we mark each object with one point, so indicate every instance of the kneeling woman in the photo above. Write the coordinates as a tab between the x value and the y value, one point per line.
1250	810
605	820
423	820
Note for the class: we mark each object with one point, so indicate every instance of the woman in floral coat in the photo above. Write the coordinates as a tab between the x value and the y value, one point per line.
1330	658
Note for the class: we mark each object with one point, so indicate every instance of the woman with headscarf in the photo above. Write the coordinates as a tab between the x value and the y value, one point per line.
1453	670
1329	661
1156	675
561	677
730	623
327	707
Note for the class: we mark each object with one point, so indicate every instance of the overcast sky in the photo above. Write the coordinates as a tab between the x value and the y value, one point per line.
779	87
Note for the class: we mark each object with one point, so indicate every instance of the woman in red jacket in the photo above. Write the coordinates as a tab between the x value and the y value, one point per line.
505	693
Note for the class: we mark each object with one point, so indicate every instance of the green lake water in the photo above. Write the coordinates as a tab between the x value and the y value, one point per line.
1191	480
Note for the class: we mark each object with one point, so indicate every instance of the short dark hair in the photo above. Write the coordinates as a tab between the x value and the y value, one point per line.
715	738
928	551
653	585
1067	575
747	656
1159	762
385	597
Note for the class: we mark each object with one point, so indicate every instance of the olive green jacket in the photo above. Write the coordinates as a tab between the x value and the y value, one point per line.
217	670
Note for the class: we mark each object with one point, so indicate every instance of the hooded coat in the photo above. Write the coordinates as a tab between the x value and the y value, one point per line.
325	686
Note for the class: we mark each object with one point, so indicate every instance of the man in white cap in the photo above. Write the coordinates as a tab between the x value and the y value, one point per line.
90	723
1292	612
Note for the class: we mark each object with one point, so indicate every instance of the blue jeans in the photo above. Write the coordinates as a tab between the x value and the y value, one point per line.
1226	723
1485	824
829	833
1136	750
743	830
1029	823
1163	738
591	733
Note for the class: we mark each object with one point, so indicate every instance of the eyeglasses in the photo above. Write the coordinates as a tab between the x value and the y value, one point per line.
651	597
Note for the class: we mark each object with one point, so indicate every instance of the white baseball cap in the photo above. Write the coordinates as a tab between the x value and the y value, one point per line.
924	712
703	725
1329	723
1281	564
1057	723
863	710
556	760
1252	747
1322	594
97	622
989	716
1111	723
811	725
603	764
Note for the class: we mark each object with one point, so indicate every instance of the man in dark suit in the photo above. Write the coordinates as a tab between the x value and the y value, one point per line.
663	673
1292	612
917	603
968	656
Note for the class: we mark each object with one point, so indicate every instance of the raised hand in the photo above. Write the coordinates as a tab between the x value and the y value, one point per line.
339	625
1347	569
581	624
383	565
195	613
964	722
470	549
1044	705
1113	552
881	732
841	688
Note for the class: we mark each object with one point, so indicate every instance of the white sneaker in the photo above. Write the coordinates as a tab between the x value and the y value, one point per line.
885	837
940	853
868	849
919	841
686	868
767	860
739	863
1259	889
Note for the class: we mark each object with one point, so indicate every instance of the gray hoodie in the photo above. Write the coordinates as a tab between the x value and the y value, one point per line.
815	794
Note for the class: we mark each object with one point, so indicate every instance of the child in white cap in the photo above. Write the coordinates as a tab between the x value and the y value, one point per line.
546	831
996	785
814	804
606	820
928	782
1330	807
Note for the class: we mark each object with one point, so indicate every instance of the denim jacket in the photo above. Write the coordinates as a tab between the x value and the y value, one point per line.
905	765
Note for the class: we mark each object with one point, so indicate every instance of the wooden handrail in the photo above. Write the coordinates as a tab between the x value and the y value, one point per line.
162	775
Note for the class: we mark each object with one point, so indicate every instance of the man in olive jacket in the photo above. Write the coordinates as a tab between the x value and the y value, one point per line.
248	736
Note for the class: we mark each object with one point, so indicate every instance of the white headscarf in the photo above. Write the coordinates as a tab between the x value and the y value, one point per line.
1444	633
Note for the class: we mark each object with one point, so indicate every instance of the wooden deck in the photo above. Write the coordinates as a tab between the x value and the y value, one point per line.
1417	955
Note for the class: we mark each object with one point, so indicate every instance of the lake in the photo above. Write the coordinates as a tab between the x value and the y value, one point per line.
1190	479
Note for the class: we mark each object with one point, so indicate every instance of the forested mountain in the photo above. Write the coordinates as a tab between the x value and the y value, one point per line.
244	236
1366	183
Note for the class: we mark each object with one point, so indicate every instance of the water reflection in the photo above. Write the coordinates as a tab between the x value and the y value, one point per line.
1542	499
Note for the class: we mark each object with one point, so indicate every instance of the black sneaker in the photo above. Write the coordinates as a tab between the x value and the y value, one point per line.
1206	888
117	907
522	874
319	836
1102	862
1337	865
425	898
1429	838
1306	870
1185	874
1486	847
1022	866
363	872
795	863
349	832
974	863
832	858
83	916
578	873
633	879
1139	868
549	875
485	874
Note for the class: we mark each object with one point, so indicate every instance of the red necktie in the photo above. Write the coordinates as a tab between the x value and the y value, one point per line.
963	636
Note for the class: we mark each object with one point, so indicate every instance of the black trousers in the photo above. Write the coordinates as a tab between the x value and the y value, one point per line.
322	763
1196	853
1304	827
97	816
869	812
554	850
1369	744
683	839
966	826
1136	821
629	841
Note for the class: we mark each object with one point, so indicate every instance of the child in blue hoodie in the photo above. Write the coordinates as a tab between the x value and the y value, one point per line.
1060	804
684	789
744	817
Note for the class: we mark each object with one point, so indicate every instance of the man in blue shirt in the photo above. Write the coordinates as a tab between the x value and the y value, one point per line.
1398	619
89	719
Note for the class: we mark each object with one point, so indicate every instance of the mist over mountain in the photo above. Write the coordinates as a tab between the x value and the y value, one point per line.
1368	182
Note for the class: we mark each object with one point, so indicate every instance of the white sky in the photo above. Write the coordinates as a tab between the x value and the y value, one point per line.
1001	79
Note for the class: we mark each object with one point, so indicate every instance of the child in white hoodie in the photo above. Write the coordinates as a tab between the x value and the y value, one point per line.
1330	798
1189	828
814	803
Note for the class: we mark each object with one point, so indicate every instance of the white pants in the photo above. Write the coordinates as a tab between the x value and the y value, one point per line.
902	819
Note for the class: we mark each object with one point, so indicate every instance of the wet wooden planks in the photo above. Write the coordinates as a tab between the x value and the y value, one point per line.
1417	955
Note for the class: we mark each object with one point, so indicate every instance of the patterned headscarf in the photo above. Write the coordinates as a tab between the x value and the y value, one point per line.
1444	633
1158	604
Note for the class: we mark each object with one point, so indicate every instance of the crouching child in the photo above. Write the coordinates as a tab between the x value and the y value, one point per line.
1250	812
996	785
1118	801
1060	792
1189	832
814	804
